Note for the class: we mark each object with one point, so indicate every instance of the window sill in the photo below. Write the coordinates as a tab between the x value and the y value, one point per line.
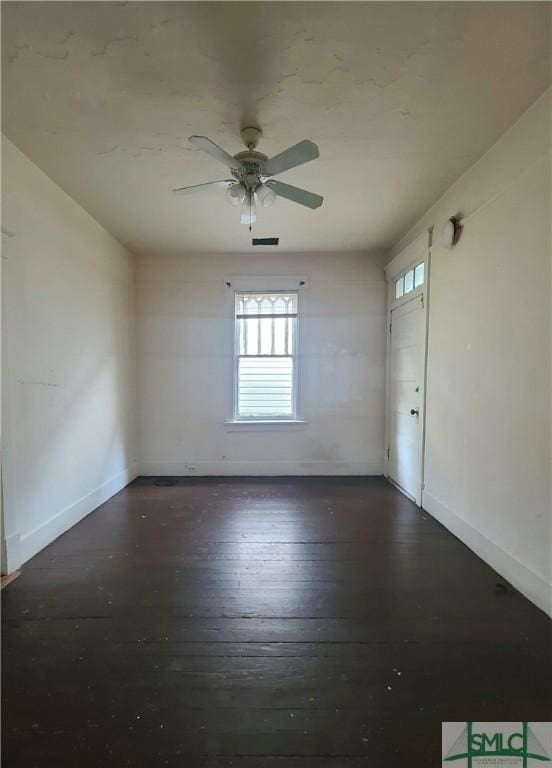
277	425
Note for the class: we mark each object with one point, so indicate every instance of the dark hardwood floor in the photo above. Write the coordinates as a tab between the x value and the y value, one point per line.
305	623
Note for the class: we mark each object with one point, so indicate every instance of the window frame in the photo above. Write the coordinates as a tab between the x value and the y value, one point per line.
400	279
273	419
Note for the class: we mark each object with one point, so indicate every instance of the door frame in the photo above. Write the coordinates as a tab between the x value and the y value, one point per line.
417	251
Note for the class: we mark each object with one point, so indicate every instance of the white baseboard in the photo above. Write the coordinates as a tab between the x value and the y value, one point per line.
33	541
11	553
529	583
259	468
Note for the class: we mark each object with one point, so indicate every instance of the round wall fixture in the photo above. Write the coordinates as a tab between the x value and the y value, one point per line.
450	232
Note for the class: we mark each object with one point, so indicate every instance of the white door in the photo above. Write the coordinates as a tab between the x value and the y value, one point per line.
407	345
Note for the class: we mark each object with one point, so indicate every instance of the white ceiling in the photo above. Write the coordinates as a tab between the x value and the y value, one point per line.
400	97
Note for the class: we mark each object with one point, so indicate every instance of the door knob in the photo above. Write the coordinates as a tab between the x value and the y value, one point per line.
414	412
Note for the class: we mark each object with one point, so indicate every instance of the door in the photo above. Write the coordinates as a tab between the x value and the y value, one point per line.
407	373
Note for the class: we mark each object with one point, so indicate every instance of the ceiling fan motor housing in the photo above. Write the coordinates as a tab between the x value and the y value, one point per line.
250	171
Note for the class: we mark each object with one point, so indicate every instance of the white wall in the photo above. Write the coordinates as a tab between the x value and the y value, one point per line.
185	347
68	360
488	429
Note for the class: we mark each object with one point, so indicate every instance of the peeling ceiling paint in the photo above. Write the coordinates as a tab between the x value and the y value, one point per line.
400	97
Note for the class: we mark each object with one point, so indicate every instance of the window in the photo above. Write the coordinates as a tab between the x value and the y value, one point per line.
410	280
265	357
419	275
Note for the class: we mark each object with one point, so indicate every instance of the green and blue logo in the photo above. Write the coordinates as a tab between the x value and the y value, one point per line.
496	740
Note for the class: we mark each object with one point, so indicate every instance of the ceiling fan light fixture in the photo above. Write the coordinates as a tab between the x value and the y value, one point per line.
235	194
266	196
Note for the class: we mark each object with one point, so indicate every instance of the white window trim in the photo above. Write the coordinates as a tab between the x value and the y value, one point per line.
264	425
265	284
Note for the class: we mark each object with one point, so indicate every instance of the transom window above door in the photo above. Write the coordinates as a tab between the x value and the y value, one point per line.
265	385
411	279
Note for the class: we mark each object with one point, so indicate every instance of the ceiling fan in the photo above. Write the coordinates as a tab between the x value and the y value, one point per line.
252	172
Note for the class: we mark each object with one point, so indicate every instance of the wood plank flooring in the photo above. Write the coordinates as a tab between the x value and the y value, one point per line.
261	623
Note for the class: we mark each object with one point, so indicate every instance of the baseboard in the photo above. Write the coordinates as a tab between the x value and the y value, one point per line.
5	580
32	542
11	553
258	468
529	583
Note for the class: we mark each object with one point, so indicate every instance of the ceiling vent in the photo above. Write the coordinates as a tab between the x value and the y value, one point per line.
265	241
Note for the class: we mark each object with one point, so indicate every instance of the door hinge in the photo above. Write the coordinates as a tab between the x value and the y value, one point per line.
390	326
388	454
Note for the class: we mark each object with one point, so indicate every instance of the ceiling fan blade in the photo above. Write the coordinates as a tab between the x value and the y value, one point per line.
297	155
220	154
200	187
296	194
249	210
